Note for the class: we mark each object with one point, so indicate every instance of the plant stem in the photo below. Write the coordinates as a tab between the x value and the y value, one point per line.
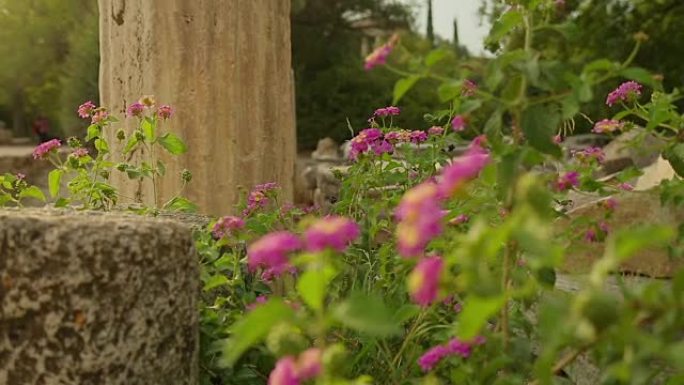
564	361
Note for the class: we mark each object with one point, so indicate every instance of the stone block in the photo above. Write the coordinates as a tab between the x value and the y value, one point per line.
97	299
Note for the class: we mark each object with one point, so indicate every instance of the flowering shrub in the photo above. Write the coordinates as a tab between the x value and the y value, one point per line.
438	263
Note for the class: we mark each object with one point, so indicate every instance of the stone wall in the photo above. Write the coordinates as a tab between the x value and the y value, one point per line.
226	68
97	299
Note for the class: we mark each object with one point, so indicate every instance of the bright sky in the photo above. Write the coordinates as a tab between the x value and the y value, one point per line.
471	33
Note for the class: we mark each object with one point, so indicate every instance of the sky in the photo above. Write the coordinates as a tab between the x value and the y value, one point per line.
471	33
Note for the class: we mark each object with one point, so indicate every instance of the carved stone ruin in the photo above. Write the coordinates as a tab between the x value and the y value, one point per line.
97	299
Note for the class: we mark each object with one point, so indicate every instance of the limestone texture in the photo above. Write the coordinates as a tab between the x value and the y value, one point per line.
225	66
97	299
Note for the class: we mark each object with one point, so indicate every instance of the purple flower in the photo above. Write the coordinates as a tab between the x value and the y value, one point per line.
165	111
21	176
45	148
567	181
225	226
432	357
609	204
468	88
363	141
625	187
398	136
284	373
463	169
607	125
135	109
557	139
258	301
625	92
387	111
458	123
331	232
459	348
423	281
435	131
381	147
590	236
603	226
85	109
418	136
271	250
589	154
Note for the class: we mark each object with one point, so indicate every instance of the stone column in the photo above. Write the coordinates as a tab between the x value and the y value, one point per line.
97	299
225	66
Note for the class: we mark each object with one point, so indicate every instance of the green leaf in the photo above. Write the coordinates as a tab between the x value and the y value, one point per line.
312	286
161	168
539	124
476	312
172	144
253	328
638	74
449	91
367	314
101	146
599	65
406	312
32	192
93	131
435	56
675	155
54	181
180	204
215	281
402	86
148	127
131	143
506	23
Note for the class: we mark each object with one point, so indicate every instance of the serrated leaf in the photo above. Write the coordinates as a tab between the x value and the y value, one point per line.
93	131
402	86
101	146
638	74
253	328
312	286
161	168
215	281
172	143
130	144
148	127
54	181
32	192
367	314
539	124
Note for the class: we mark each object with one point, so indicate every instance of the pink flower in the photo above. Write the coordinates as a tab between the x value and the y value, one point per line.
420	216
284	373
45	148
603	226
457	307
459	348
379	55
460	219
625	187
85	109
21	176
435	131
609	204
99	116
258	301
458	123
80	152
589	154
607	125
398	136
590	236
468	88
225	226
364	140
625	92
270	252
387	111
418	136
423	281
331	232
266	186
432	357
309	363
135	109
463	169
381	147
165	111
567	181
557	139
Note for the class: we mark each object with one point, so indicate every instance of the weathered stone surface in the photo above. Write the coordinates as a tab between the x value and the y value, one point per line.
634	209
96	299
225	66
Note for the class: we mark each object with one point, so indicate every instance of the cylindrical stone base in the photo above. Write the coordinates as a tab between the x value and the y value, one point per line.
96	299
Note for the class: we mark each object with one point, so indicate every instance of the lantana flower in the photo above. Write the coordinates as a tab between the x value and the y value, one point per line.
423	281
333	232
